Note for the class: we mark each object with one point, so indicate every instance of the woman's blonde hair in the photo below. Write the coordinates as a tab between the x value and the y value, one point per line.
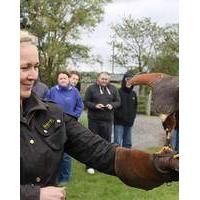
25	36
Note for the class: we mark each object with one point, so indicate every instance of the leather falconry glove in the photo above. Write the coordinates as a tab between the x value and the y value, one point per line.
146	171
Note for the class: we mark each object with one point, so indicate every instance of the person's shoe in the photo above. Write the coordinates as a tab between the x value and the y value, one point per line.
90	171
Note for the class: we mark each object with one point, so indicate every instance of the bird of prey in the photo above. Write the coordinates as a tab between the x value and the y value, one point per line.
165	98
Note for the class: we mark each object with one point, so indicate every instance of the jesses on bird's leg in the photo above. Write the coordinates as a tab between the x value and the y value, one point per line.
168	138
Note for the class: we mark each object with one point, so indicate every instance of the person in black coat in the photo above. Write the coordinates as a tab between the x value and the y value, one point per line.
124	116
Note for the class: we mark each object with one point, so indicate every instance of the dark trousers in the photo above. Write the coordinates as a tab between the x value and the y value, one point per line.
102	128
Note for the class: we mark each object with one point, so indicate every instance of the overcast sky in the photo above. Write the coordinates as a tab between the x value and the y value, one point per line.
160	11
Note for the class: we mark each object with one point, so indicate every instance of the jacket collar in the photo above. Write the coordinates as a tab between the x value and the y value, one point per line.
103	89
58	87
33	103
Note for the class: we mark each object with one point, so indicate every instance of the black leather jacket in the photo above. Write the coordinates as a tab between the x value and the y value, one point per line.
45	132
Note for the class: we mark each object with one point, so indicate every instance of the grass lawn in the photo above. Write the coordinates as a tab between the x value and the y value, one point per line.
103	187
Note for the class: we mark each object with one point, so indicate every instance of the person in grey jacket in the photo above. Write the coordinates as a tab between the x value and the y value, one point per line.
46	132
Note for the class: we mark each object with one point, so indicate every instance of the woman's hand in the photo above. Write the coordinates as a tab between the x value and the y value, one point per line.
52	193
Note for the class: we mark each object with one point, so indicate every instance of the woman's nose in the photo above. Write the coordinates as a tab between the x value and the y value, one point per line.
33	73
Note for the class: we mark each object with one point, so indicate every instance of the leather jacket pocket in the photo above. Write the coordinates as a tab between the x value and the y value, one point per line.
53	133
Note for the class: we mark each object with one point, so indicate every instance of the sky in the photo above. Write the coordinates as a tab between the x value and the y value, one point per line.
160	11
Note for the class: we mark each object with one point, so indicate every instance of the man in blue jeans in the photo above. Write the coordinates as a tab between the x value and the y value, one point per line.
124	116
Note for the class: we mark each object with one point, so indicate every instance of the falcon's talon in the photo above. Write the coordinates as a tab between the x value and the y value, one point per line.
163	149
176	156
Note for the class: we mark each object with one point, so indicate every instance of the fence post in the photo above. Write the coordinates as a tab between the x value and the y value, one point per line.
148	108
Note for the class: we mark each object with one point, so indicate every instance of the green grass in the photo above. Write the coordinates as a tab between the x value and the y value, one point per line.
83	120
104	187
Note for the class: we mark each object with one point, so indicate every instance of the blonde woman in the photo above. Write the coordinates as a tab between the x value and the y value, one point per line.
46	132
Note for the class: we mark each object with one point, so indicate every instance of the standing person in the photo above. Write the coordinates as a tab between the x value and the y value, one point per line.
69	99
75	79
175	134
124	116
40	89
66	95
46	132
101	99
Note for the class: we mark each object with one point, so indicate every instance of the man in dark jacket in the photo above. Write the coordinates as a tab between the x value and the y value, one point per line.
124	116
101	99
46	132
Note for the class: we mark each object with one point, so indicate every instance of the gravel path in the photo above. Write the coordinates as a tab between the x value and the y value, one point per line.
147	132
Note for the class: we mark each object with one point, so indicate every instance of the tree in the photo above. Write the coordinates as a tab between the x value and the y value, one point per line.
58	24
143	46
167	58
135	41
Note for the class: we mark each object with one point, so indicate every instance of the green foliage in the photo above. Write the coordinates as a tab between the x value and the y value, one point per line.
142	104
100	186
144	46
134	41
83	120
88	76
58	24
167	60
168	64
117	85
